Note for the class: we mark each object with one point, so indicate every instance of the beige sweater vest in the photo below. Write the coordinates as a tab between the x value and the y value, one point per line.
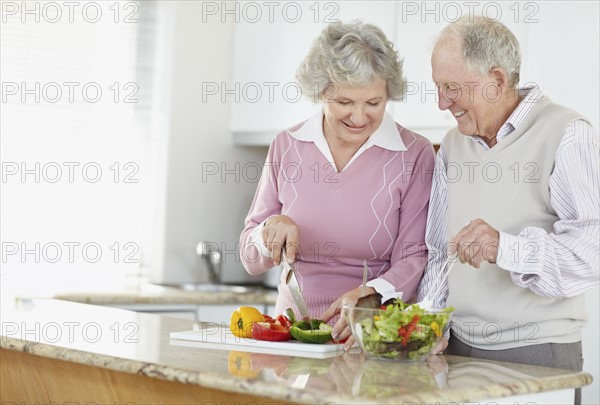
507	186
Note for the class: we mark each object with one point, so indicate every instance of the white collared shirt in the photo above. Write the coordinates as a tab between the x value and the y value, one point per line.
386	136
531	96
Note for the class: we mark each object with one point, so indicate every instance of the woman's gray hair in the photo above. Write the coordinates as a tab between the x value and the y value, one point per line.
353	54
486	44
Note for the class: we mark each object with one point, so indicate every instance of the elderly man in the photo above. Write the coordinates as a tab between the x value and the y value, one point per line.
523	174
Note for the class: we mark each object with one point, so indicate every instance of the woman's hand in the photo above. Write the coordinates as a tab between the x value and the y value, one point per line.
280	231
344	369
440	347
341	330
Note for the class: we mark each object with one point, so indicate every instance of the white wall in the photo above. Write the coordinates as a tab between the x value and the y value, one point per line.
200	205
50	216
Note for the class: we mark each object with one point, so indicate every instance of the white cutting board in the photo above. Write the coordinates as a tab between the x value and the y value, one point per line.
220	337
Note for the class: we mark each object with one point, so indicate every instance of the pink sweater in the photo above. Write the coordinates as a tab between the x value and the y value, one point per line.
375	209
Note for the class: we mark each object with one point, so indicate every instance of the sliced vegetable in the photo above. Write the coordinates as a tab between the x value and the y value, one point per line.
435	327
290	314
268	318
284	321
242	320
272	332
307	331
313	331
406	331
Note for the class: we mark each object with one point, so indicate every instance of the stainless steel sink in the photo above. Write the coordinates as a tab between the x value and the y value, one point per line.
207	288
215	288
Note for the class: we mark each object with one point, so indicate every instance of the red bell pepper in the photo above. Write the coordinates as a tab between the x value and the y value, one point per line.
405	331
272	332
284	321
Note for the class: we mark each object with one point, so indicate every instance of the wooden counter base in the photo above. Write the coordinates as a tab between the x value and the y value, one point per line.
27	378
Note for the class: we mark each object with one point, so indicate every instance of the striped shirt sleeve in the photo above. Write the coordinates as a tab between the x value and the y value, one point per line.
565	262
436	234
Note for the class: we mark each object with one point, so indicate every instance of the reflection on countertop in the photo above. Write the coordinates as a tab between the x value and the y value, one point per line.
139	343
350	374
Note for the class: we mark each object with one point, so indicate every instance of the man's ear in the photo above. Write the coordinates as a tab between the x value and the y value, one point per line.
500	77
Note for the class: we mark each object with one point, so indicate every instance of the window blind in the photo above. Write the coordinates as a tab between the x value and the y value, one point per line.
81	124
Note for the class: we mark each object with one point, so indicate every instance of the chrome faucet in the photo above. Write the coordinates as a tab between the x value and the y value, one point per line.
211	255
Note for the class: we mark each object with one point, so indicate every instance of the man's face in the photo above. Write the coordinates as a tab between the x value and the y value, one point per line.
472	99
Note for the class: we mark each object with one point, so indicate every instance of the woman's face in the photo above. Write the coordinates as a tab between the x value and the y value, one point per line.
352	114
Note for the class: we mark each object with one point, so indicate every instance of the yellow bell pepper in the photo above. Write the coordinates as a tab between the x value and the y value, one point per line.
242	320
436	329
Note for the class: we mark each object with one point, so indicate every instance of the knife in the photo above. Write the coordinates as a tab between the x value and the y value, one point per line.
363	287
294	287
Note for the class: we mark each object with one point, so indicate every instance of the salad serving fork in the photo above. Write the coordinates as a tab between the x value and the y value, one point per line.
438	282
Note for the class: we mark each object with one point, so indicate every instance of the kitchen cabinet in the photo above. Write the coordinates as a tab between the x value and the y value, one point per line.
264	97
263	93
417	27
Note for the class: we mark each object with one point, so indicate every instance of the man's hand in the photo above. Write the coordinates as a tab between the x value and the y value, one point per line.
475	243
341	330
280	231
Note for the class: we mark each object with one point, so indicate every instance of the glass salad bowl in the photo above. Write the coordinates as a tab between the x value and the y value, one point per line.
396	331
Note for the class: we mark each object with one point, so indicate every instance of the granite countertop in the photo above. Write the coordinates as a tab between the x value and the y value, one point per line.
139	343
146	293
137	290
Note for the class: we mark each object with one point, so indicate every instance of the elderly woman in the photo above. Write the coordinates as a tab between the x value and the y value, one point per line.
347	185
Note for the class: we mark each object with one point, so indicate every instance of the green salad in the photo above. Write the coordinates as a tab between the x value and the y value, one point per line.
400	331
